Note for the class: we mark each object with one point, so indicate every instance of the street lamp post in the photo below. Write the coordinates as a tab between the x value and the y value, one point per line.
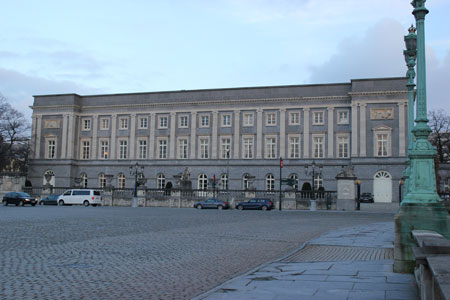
410	58
313	172
136	171
421	207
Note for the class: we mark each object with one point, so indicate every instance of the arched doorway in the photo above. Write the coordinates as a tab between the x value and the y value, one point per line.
382	187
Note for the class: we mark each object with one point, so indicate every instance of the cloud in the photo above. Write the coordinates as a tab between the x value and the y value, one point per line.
378	54
18	88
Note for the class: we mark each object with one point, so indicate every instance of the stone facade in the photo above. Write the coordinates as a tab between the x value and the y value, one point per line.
363	123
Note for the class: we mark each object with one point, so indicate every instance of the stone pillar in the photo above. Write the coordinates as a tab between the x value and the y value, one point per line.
94	137
346	191
306	133
107	197
259	137
282	132
214	135
133	136
354	129
193	134
172	146
362	128
330	132
113	129
237	134
151	142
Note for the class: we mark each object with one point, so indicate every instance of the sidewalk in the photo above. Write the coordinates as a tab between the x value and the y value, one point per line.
352	263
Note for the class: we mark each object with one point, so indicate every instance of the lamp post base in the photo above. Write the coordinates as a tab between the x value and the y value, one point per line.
416	216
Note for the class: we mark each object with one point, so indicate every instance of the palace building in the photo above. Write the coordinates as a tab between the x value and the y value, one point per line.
236	135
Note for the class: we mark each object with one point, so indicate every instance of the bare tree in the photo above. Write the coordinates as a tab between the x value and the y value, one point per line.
14	137
439	122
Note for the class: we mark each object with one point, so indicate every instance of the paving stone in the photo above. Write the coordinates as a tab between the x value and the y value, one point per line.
366	295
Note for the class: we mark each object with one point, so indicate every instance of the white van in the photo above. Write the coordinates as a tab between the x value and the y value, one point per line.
85	197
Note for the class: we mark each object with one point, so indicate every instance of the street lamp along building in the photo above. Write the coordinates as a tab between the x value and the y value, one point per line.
233	133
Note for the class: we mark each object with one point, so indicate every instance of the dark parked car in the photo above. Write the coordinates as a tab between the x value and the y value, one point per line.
366	198
212	203
255	203
49	200
19	199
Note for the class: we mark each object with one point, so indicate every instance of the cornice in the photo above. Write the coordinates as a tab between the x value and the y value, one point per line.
378	93
196	103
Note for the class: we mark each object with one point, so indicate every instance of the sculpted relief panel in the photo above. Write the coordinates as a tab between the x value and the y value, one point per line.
51	124
382	114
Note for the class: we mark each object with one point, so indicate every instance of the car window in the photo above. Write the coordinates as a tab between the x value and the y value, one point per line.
67	193
252	201
97	193
81	193
23	195
9	194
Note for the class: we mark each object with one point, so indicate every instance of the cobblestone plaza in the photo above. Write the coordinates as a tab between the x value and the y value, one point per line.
147	253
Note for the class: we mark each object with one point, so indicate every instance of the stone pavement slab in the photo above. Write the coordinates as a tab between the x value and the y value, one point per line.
348	279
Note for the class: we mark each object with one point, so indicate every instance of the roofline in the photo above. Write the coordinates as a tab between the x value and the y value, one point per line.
223	89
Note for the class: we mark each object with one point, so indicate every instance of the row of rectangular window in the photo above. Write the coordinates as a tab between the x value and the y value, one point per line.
226	119
202	182
343	147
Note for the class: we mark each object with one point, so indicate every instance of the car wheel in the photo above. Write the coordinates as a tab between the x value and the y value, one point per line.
86	203
264	207
33	204
60	202
5	203
199	206
220	207
20	203
240	207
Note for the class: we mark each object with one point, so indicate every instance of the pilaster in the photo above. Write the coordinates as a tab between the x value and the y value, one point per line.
113	129
362	128
214	134
133	136
173	118
94	137
402	130
151	142
64	136
306	133
193	134
330	132
70	137
354	129
259	137
283	132
38	136
237	133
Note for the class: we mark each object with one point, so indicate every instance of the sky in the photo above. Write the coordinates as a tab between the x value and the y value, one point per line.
99	47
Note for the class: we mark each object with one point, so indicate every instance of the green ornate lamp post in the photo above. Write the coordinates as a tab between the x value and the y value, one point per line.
421	208
410	59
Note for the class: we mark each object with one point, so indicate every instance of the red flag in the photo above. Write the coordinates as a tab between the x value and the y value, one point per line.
281	163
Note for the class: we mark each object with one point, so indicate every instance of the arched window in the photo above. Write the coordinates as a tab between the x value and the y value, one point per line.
294	177
50	175
102	180
224	181
84	180
245	182
121	181
202	182
318	181
161	181
270	182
